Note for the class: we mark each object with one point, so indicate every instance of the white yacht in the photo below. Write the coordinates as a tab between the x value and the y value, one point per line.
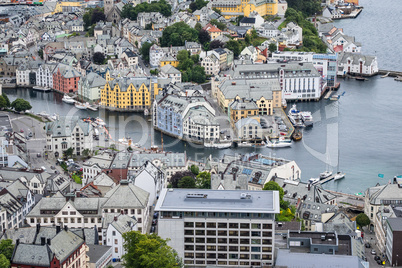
279	143
339	175
325	174
80	106
313	181
68	99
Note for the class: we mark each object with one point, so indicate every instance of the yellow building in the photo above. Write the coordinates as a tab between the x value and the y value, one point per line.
169	60
239	109
234	8
129	94
66	7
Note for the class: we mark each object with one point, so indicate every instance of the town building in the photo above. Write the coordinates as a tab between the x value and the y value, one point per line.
68	132
65	78
394	241
44	75
236	8
99	256
209	227
125	94
357	64
90	86
211	65
65	249
94	166
297	81
168	71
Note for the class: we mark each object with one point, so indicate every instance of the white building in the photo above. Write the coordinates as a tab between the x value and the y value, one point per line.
130	57
94	166
211	65
168	71
68	132
268	30
115	225
353	63
225	228
90	86
248	128
44	75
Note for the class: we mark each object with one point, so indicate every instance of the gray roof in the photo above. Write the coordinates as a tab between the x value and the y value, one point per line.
249	89
126	195
96	252
395	224
67	71
65	125
64	244
356	58
377	194
32	255
229	182
285	258
101	160
136	81
121	160
193	200
25	235
169	69
124	223
10	174
168	159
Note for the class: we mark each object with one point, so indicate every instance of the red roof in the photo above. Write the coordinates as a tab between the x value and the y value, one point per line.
338	48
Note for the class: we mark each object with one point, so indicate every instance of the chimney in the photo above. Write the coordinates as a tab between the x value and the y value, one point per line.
58	229
65	228
309	185
49	241
115	218
43	241
234	176
17	242
37	227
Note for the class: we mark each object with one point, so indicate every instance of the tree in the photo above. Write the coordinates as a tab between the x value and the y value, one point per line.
203	180
221	26
21	105
4	262
97	15
131	12
98	58
7	100
273	186
216	44
148	26
3	103
234	46
186	182
198	27
86	153
182	55
203	36
198	74
198	4
194	169
174	180
272	47
144	50
362	220
40	53
69	152
148	251
217	10
177	34
195	58
7	248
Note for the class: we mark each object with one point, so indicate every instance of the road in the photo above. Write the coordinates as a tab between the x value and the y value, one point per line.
370	238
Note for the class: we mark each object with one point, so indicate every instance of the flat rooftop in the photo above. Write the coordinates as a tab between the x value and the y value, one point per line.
235	201
330	238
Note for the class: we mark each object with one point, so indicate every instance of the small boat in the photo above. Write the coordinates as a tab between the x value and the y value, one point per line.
244	144
297	135
284	104
43	89
218	145
44	114
279	143
360	78
325	174
313	181
100	122
146	112
339	175
68	99
90	107
80	106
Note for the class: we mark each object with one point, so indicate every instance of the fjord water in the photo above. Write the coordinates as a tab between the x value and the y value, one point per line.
366	122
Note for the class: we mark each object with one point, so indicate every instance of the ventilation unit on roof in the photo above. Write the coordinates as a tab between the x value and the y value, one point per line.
245	196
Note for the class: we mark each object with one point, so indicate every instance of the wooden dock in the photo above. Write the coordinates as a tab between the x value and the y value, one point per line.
326	179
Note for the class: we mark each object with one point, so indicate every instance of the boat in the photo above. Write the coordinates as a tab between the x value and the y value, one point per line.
279	143
146	112
218	145
313	181
244	144
297	135
339	175
43	89
90	107
360	78
300	118
80	106
100	122
325	174
44	114
284	104
54	117
68	99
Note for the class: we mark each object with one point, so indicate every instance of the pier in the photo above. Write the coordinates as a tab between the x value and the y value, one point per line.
326	179
389	73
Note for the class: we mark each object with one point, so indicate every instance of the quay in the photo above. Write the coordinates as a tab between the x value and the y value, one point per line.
323	181
354	14
389	73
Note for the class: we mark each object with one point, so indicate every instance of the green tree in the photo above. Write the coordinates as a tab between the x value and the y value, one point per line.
98	58
203	37
195	58
92	16
216	44
272	47
4	262
148	26
86	153
69	152
362	220
221	26
198	26
131	12
3	103
177	34
40	53
21	105
194	169
7	248
198	4
203	180
273	186
234	46
148	251
186	182
217	11
7	100
174	180
307	7
182	55
144	50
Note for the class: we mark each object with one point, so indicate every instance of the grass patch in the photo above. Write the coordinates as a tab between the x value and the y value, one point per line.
36	117
77	179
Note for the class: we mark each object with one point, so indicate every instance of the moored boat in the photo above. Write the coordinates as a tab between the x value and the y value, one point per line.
339	175
68	99
313	181
43	89
80	106
279	143
325	174
297	136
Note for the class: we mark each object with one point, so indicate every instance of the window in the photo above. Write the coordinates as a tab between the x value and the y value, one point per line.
115	242
116	250
114	233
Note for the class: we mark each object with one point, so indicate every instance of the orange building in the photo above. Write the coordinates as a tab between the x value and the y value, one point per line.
65	78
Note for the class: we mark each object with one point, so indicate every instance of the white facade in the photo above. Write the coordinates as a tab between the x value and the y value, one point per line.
22	75
211	65
114	234
204	233
156	53
357	64
44	76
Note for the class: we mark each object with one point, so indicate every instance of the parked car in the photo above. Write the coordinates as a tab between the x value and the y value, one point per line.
154	221
152	229
30	134
156	214
53	167
38	155
376	258
21	130
373	252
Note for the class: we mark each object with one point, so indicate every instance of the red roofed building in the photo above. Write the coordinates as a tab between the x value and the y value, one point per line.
213	31
65	78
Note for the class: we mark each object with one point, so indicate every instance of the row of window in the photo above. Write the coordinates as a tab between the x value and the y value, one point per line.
234	225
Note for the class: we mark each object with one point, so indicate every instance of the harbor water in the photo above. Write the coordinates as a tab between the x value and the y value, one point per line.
362	129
